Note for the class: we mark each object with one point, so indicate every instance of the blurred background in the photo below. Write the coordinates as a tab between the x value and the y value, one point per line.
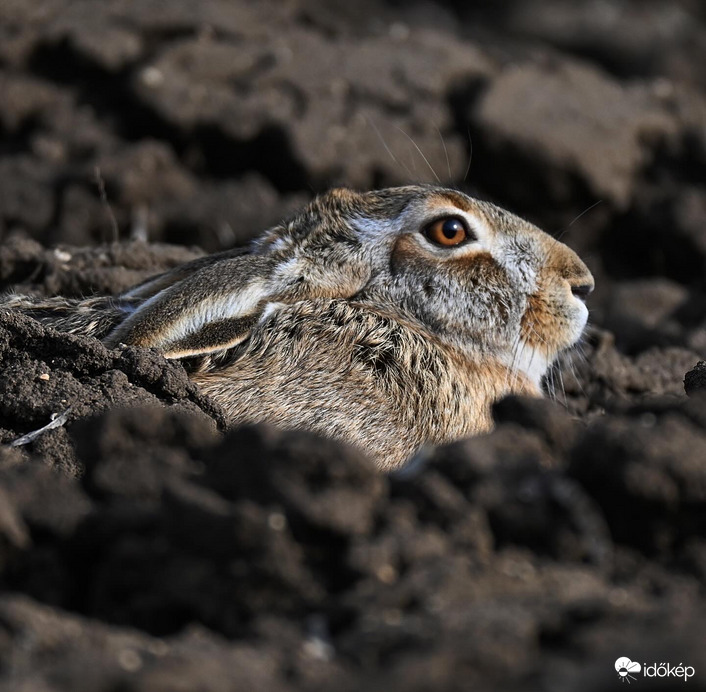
178	559
201	123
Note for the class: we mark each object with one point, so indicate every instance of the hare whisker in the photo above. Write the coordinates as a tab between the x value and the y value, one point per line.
549	384
574	373
539	337
516	371
585	211
421	153
387	149
557	239
563	388
446	153
470	154
582	356
513	361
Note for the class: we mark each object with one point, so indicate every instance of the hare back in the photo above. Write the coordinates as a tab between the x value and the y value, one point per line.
350	371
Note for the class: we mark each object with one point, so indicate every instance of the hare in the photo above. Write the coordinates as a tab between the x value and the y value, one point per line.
389	319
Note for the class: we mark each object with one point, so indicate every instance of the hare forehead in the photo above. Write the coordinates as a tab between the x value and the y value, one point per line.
374	229
492	225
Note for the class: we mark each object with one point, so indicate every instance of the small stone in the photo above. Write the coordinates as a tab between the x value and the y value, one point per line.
387	574
129	660
277	521
317	649
152	76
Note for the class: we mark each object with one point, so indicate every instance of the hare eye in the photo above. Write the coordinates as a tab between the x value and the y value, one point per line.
447	232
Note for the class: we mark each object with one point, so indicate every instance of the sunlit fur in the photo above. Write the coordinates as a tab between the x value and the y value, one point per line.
346	320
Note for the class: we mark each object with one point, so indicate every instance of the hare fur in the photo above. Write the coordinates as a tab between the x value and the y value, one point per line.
390	319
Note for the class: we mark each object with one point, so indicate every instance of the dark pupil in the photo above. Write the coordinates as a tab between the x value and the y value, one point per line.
451	228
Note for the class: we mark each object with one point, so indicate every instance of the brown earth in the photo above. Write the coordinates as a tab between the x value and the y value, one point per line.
142	548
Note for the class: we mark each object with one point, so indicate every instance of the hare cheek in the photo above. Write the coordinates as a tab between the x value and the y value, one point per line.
551	324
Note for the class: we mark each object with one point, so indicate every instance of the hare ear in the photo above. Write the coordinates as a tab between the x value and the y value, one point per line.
216	304
155	284
198	309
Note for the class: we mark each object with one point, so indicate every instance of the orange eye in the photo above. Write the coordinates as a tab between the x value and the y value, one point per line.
447	232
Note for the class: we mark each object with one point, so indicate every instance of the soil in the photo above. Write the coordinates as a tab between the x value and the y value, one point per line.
144	547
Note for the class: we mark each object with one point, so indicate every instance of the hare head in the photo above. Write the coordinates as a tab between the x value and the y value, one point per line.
476	276
366	313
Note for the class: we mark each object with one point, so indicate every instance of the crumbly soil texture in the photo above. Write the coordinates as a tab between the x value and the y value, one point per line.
143	547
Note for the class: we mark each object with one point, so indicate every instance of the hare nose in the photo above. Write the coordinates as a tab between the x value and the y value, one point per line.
575	273
582	291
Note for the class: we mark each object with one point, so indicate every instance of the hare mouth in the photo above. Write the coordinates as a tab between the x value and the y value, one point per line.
534	360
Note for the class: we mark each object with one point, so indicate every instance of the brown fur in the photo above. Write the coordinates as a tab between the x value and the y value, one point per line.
396	391
348	321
